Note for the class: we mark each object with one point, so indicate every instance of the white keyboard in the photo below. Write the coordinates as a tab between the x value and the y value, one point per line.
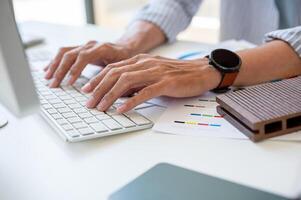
65	108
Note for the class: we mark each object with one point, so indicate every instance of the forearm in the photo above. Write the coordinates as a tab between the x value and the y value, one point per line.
141	37
271	61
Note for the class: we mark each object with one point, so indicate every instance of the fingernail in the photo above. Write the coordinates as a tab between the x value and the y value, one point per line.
47	75
70	80
121	108
87	87
90	103
53	84
101	106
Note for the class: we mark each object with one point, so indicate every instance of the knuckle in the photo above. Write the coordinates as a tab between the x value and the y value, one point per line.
106	45
132	102
91	42
147	92
115	72
109	96
148	61
68	55
62	49
73	71
126	76
110	66
142	55
83	54
96	92
58	74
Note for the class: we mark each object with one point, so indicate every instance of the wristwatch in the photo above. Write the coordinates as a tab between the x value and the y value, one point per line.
228	64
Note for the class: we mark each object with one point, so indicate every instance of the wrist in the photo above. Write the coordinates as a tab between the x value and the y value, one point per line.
141	37
213	77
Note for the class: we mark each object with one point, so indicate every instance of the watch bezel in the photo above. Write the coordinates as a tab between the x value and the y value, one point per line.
214	59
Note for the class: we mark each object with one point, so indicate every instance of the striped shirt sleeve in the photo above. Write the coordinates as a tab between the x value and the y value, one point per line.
172	16
292	36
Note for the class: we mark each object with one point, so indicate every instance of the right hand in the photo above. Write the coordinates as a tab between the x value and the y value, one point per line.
73	60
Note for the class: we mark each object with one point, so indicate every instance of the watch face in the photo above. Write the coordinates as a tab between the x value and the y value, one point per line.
225	60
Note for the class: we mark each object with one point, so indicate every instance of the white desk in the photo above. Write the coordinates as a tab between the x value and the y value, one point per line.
36	164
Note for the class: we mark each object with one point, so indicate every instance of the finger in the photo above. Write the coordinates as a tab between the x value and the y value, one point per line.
107	83
145	94
67	61
92	84
86	55
46	68
53	65
126	82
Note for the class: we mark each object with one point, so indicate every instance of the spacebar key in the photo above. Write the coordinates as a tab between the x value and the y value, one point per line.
137	118
111	124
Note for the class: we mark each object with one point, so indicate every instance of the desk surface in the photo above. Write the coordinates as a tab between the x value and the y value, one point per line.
36	164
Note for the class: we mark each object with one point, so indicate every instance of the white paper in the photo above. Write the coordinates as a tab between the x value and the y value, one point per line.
196	117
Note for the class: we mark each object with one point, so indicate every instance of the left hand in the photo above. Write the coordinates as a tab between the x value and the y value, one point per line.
152	76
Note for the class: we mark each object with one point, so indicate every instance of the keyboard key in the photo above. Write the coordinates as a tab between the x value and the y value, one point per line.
69	115
83	103
59	105
53	101
67	127
102	117
61	121
73	106
64	110
112	111
80	125
111	124
45	93
43	101
85	115
98	127
74	120
123	120
96	112
91	120
51	111
75	95
143	105
137	118
80	110
81	98
69	101
51	96
56	116
73	133
65	97
86	131
46	106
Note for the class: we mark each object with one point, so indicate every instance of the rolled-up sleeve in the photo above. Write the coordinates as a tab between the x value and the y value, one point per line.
292	36
172	16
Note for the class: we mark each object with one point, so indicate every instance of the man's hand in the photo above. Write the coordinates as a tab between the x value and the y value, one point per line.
140	37
73	60
152	76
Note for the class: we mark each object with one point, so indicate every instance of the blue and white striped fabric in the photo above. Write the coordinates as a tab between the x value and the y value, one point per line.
240	19
292	36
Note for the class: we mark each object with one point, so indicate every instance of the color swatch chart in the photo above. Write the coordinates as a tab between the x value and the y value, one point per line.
196	116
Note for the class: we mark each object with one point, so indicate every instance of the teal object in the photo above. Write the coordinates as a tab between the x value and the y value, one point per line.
169	182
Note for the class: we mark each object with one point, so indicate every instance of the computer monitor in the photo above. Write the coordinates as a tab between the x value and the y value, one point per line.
17	91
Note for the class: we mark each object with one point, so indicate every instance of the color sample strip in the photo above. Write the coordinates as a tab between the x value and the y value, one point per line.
206	115
207	100
195	106
196	123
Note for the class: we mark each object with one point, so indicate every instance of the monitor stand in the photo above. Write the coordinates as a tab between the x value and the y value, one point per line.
3	121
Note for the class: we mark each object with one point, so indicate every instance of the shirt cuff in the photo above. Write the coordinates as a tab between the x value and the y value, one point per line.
292	36
169	16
